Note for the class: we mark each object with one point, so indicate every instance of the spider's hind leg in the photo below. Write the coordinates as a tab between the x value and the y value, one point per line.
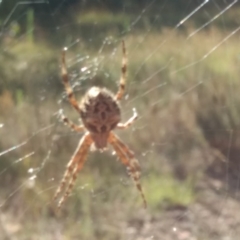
76	161
127	158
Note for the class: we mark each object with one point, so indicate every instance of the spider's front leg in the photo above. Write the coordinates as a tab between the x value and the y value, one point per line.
71	98
69	123
129	122
121	89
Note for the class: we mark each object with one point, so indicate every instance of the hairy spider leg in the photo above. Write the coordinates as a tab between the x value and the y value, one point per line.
127	158
70	124
129	122
122	83
77	158
83	150
71	97
83	154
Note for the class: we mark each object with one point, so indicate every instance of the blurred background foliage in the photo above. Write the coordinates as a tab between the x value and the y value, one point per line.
186	137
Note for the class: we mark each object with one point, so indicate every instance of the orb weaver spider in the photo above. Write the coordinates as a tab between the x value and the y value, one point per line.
100	114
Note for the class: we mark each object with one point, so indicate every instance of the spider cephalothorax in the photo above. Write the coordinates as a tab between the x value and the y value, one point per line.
100	114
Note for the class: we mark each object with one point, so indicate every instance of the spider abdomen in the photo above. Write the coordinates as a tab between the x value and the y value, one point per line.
100	112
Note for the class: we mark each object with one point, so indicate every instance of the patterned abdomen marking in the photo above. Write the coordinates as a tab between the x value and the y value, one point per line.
100	113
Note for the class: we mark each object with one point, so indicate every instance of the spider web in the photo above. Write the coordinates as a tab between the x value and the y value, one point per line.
183	81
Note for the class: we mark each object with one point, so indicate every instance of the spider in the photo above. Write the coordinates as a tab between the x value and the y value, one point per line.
100	114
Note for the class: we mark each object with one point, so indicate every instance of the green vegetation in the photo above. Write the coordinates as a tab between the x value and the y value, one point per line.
165	191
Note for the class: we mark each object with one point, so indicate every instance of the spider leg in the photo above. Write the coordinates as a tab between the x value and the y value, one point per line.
71	97
123	76
69	123
77	159
127	158
129	122
82	157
